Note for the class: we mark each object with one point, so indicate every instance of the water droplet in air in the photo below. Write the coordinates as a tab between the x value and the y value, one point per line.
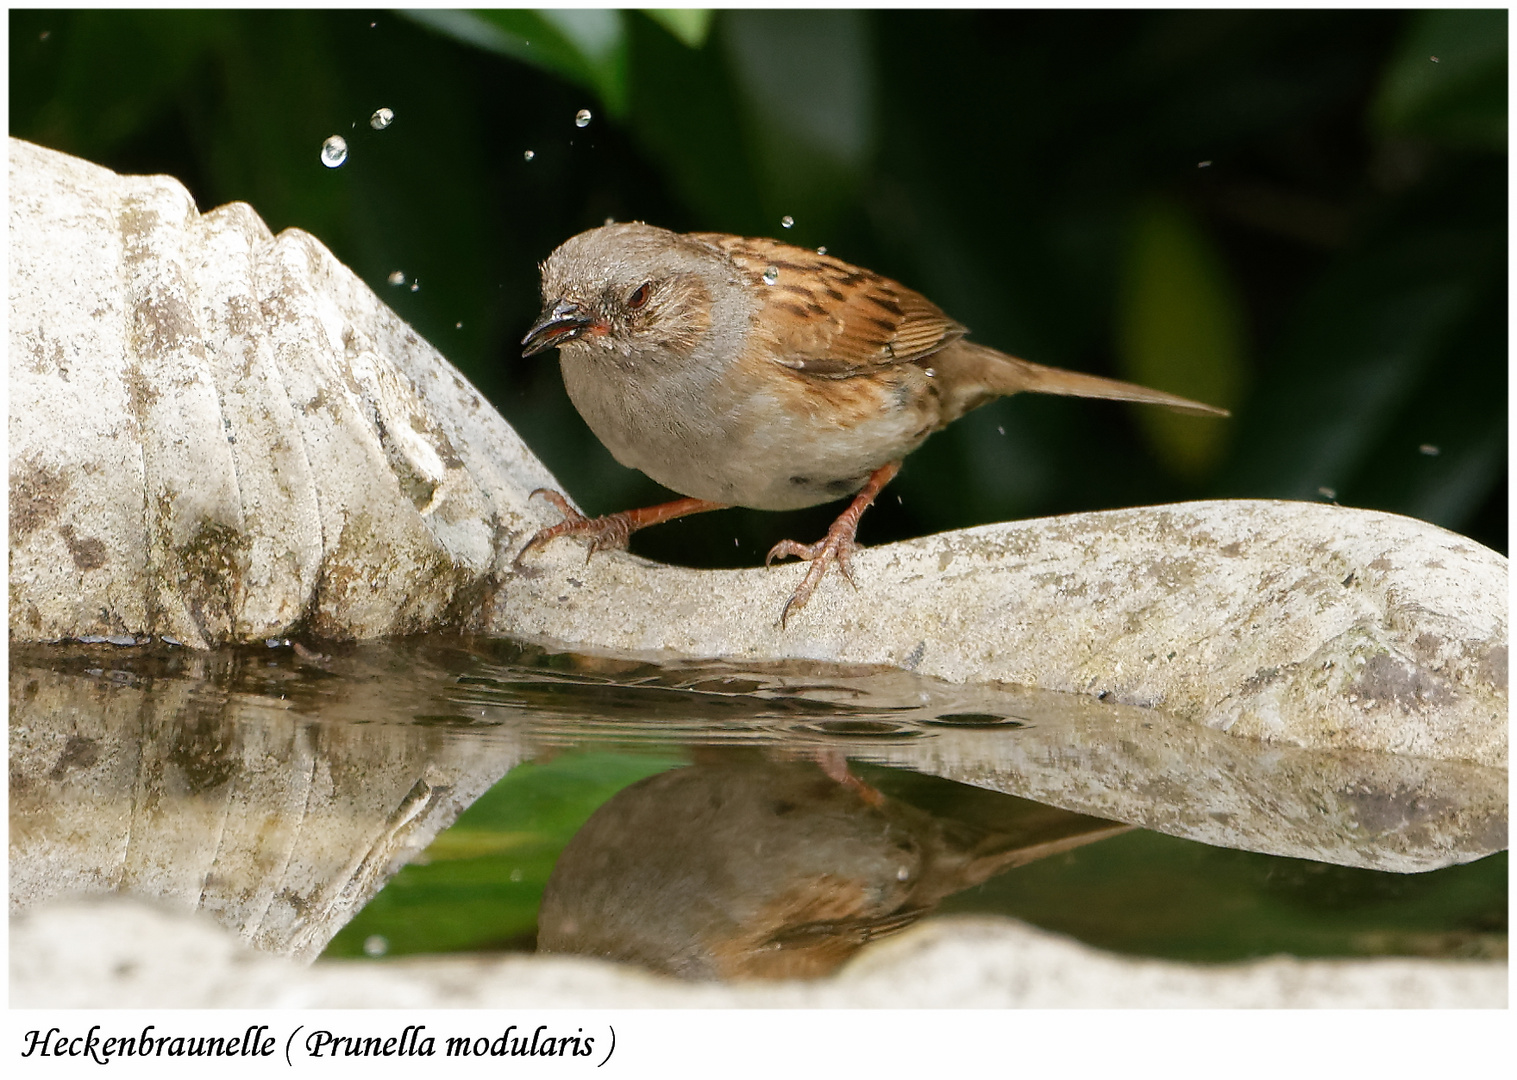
458	326
397	277
381	119
821	251
528	155
1429	449
1001	428
1434	59
609	221
787	222
334	151
902	874
415	286
1203	164
44	35
582	118
516	874
376	945
1327	492
771	275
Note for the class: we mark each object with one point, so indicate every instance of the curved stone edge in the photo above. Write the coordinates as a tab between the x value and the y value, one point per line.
114	953
1302	623
219	435
255	445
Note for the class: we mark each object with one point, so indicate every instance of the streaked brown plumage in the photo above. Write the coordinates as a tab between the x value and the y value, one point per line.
746	372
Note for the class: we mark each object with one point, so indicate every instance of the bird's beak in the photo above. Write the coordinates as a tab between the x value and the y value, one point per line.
560	322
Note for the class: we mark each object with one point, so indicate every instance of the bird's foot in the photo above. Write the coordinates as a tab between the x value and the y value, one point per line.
608	533
837	546
611	532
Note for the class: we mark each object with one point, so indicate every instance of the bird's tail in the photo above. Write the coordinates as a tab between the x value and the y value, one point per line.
984	373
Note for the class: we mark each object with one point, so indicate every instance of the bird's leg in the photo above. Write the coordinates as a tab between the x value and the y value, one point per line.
837	545
835	765
612	531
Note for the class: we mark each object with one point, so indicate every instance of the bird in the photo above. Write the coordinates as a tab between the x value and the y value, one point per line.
742	866
743	371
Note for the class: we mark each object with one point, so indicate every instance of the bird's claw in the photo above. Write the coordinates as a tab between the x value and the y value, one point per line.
837	546
609	533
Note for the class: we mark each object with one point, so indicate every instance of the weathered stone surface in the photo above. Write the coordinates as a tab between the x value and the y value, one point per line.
279	818
215	436
114	953
220	435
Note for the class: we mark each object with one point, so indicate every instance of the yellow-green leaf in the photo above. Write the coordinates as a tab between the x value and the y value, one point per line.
689	25
1180	327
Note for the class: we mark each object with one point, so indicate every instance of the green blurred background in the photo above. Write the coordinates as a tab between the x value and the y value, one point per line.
1300	215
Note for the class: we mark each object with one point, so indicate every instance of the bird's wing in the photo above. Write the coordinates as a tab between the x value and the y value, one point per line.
831	319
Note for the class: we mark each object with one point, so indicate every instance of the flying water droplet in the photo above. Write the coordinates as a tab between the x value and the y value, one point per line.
1203	164
415	286
1434	59
609	221
528	155
1429	449
1327	492
582	118
787	222
381	119
458	326
334	151
397	277
821	251
771	275
376	945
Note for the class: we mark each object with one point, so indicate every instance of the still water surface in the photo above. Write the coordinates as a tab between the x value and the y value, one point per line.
711	819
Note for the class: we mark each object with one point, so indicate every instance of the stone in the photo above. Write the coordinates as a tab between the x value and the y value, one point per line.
219	435
115	952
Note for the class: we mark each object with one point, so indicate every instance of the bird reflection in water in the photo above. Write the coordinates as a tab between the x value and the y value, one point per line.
739	866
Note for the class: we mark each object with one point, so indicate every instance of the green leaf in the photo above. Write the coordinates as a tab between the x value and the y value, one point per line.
1448	80
585	46
690	25
1389	351
1180	328
479	882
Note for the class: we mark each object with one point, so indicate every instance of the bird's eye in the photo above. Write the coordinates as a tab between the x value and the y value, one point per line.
639	296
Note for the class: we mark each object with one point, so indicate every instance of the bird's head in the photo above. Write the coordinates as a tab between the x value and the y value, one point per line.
629	289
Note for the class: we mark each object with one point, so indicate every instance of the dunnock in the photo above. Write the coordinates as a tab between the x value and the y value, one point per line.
746	372
738	866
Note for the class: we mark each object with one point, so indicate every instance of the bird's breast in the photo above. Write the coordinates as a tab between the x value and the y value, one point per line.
768	438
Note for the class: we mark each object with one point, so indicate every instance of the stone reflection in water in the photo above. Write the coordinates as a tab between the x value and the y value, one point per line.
742	867
256	785
1377	811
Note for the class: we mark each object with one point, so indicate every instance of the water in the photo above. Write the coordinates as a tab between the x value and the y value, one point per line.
381	119
397	277
334	151
582	118
528	155
709	819
771	275
787	222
